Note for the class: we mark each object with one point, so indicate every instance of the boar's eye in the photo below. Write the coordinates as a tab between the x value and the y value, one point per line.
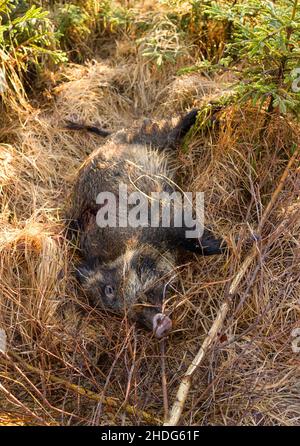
109	292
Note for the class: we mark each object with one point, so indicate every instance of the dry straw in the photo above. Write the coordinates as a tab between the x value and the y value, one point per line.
67	363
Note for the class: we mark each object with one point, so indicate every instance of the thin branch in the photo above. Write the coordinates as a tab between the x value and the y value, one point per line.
164	379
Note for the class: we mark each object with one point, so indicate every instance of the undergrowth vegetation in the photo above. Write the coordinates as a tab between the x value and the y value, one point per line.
257	40
110	63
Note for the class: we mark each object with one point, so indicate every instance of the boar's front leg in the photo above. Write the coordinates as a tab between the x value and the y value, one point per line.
208	244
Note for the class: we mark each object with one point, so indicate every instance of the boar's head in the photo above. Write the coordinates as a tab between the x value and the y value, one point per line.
134	284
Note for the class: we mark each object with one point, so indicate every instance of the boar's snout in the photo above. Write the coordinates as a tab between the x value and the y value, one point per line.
162	325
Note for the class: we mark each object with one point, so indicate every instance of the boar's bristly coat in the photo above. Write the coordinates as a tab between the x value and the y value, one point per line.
127	269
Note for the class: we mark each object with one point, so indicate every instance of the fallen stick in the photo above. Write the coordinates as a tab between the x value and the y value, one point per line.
186	381
164	379
108	401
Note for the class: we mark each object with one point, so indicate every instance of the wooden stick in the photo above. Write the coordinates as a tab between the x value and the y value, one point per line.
186	381
108	401
164	379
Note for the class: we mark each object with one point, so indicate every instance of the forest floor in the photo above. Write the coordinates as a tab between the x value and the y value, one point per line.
69	364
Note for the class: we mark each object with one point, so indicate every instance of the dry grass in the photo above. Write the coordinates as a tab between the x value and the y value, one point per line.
64	357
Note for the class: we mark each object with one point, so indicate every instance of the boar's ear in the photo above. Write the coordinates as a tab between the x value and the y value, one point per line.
207	245
83	272
85	269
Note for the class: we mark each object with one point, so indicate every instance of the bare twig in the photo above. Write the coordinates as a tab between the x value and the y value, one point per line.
164	380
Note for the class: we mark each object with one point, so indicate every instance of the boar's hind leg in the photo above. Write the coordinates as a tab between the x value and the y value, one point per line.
183	126
165	136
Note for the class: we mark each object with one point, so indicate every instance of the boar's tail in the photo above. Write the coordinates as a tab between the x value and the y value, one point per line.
90	128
